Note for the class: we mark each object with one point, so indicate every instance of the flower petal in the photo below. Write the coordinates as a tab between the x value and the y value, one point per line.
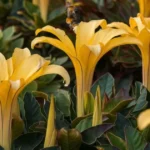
28	67
15	84
85	31
96	49
53	69
53	42
61	35
120	25
4	92
137	23
3	67
10	66
143	119
105	35
20	55
120	41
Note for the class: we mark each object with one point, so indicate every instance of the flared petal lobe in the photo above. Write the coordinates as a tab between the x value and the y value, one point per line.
143	119
3	68
19	56
62	38
85	31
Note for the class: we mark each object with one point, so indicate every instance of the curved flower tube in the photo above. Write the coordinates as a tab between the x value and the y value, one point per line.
90	46
140	28
144	6
16	73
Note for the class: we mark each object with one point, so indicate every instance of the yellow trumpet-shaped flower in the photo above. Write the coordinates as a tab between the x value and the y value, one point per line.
143	119
92	43
140	28
144	6
15	74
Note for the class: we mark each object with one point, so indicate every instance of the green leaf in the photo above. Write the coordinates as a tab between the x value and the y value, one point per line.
69	139
141	96
32	110
63	102
115	105
120	124
125	83
29	88
106	83
17	43
28	141
8	33
39	127
84	124
30	8
90	135
134	139
38	21
146	133
77	120
17	127
40	95
61	60
116	141
56	14
88	103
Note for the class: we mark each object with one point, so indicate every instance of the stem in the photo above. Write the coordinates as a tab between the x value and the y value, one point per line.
146	66
84	81
80	86
7	120
146	74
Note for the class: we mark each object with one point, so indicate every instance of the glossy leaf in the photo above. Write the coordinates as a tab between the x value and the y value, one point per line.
88	103
28	141
63	102
77	120
106	83
90	135
134	139
8	33
141	96
116	141
39	127
84	124
69	139
120	124
115	105
17	127
32	110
